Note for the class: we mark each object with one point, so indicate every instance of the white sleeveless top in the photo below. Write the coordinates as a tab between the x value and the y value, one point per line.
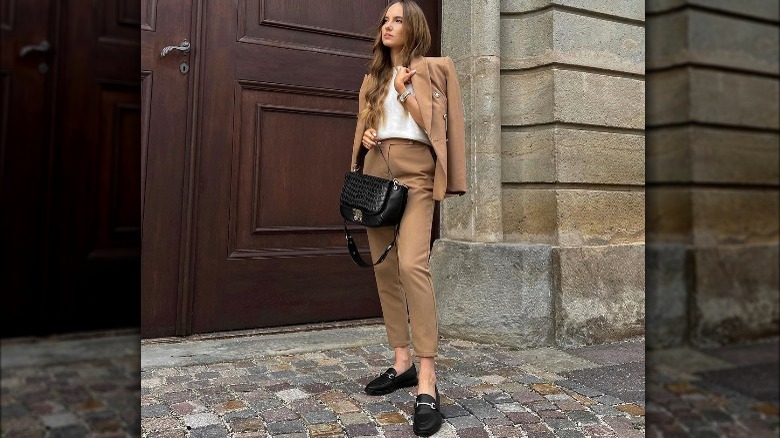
398	122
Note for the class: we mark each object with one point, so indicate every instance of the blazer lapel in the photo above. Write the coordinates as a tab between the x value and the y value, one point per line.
421	82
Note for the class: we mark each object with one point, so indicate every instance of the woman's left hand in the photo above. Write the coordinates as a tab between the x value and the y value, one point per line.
403	76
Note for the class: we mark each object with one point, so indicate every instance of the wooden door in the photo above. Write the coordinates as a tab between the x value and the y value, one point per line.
70	158
276	131
26	57
168	105
244	157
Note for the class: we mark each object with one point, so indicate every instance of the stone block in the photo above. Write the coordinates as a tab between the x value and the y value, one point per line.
735	299
595	99
735	216
668	282
557	95
765	9
711	155
528	98
456	29
528	156
600	217
572	156
530	215
729	156
706	96
668	157
600	294
562	37
573	217
495	292
669	215
668	100
632	10
691	36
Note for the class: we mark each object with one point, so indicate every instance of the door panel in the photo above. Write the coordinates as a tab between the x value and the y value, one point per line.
166	113
270	248
254	237
96	218
25	132
69	147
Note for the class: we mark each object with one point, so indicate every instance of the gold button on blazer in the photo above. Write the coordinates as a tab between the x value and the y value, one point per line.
438	93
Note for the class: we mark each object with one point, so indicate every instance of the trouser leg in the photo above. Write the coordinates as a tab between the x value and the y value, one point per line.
413	255
388	282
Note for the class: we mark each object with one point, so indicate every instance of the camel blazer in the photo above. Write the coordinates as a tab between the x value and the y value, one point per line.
438	93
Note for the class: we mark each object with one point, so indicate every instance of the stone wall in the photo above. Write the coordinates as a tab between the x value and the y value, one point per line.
547	247
713	154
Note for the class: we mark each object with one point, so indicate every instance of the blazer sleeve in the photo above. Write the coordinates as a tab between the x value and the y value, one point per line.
456	134
357	149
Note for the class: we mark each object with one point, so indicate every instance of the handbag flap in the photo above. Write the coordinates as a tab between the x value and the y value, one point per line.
367	193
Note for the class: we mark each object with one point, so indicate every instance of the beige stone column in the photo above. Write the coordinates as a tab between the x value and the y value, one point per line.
567	266
713	171
470	36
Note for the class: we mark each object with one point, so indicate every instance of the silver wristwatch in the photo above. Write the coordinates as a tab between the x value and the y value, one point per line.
403	96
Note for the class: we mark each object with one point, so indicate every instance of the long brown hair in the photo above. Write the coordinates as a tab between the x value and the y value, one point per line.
417	41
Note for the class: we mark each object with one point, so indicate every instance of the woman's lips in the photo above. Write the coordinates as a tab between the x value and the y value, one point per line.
387	35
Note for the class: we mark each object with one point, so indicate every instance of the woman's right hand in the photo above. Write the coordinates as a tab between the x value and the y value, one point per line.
369	138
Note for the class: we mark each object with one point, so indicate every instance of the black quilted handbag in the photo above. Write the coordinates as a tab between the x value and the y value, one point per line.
373	202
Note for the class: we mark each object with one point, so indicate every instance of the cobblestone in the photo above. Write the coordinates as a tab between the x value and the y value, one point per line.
487	391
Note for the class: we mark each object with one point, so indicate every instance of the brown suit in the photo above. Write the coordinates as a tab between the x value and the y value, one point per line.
437	92
403	280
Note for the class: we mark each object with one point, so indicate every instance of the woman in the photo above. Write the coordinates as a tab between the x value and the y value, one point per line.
410	107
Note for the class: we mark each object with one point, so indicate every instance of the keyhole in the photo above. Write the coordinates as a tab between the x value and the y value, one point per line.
184	68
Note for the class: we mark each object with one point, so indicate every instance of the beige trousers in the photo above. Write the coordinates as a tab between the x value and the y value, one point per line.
403	279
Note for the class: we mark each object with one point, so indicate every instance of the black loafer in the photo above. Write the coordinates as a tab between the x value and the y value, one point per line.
427	417
390	380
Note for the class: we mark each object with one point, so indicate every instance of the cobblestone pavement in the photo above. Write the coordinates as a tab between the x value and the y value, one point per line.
487	391
716	392
71	387
310	384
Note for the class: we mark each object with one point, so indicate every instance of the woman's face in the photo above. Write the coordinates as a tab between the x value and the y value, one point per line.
393	35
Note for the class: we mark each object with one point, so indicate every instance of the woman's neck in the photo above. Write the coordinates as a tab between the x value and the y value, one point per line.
395	57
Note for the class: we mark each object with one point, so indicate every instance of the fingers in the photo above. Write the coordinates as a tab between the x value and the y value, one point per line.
369	139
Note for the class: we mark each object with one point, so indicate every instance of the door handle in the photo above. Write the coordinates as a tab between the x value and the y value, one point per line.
184	47
42	47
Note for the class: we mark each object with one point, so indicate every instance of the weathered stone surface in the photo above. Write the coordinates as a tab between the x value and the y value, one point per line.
687	36
729	216
697	95
634	10
600	217
476	60
668	155
668	282
495	292
601	294
562	37
572	156
669	215
557	95
528	98
736	294
725	156
530	215
571	217
766	9
668	100
708	155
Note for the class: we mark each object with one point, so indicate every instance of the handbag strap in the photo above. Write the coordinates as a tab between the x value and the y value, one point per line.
353	251
386	162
